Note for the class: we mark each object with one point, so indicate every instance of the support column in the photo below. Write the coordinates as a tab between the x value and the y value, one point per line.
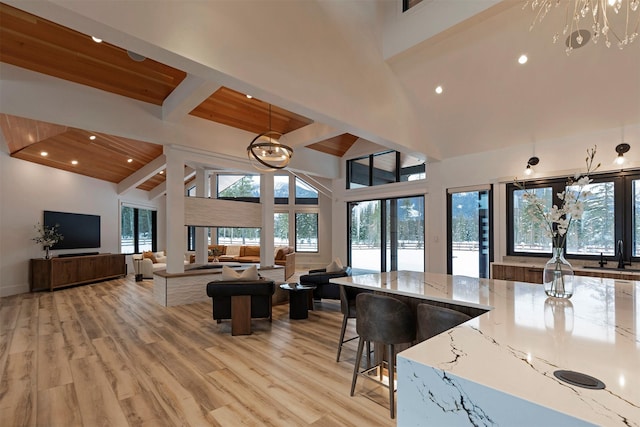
202	190
267	233
175	226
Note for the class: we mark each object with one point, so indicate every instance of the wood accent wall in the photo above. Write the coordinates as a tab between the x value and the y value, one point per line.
204	212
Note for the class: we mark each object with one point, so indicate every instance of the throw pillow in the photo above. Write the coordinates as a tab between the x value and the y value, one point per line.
150	255
233	250
229	273
335	266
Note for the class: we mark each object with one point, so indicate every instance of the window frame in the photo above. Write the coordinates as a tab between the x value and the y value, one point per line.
622	207
374	178
295	227
136	232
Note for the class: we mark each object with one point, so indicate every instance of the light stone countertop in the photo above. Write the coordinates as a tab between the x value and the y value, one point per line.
498	367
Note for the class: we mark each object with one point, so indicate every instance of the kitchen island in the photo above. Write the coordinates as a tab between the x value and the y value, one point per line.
498	368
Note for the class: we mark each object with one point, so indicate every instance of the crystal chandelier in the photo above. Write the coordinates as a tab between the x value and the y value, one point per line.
616	21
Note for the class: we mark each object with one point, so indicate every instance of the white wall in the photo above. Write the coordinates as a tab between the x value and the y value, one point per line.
557	158
27	189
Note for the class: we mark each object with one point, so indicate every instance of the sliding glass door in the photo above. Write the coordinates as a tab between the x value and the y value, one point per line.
397	225
469	234
365	241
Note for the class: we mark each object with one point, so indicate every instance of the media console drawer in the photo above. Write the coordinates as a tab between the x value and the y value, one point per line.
49	274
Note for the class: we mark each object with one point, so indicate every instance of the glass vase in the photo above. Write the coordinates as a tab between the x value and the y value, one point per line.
47	255
558	276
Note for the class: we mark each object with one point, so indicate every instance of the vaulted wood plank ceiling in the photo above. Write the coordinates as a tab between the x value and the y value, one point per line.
30	42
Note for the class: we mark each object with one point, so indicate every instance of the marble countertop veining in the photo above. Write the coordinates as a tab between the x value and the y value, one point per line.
525	336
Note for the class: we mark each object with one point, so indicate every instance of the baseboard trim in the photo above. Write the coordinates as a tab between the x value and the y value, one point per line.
7	291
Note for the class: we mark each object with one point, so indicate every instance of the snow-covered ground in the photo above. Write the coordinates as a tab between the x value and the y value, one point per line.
464	262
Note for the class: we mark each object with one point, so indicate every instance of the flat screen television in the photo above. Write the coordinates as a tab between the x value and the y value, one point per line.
79	230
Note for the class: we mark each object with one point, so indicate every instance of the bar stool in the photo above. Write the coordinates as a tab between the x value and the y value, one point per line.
433	320
348	308
384	320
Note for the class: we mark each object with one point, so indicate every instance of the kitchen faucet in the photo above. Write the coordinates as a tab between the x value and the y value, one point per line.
620	255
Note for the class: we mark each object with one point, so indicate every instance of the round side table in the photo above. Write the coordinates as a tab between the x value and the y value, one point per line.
299	296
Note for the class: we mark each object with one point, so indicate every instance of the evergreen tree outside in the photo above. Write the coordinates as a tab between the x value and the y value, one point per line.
306	232
281	228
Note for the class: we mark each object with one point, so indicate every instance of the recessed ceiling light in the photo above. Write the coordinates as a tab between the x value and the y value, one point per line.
161	172
129	160
523	59
44	153
74	162
439	90
249	96
92	137
95	39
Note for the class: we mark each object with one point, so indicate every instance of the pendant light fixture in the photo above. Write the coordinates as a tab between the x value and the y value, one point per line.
266	153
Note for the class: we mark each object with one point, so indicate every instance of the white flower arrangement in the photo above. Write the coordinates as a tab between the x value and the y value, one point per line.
47	235
558	219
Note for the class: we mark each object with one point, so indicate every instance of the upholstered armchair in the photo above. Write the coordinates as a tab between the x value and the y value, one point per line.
241	301
320	278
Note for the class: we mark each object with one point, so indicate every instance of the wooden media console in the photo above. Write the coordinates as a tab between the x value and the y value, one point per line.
49	274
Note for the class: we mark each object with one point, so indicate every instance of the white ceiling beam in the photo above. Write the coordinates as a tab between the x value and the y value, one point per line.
142	174
161	189
190	93
321	187
310	134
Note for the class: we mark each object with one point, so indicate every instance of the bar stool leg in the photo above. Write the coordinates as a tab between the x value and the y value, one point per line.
392	367
356	368
342	331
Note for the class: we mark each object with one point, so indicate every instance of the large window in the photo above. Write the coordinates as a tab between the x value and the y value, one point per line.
281	189
306	232
290	219
244	188
383	168
138	230
388	234
611	206
281	229
305	193
238	236
469	236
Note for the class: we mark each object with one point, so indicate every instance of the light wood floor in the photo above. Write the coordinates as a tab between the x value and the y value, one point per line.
107	355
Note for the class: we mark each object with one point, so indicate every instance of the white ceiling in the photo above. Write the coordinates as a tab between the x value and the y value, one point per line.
324	60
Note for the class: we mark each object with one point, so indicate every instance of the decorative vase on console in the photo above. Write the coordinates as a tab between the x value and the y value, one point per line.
47	236
215	253
558	273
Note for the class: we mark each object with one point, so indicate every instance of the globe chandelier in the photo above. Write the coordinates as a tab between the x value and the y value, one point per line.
266	153
615	21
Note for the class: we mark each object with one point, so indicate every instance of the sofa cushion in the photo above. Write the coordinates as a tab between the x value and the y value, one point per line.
150	255
251	251
250	273
279	254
